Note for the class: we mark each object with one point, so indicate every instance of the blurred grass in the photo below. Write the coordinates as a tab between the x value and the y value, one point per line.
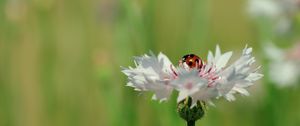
60	61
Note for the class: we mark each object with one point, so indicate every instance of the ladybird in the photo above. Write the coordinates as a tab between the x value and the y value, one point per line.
192	61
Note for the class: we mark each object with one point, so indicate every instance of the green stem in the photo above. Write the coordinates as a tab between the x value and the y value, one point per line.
190	123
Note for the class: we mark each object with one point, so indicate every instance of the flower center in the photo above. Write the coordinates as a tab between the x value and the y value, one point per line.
189	85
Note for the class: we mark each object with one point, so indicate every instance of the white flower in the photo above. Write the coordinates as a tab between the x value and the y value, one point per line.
280	12
204	82
269	8
273	8
283	68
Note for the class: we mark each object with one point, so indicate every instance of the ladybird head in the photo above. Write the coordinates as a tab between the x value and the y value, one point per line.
192	61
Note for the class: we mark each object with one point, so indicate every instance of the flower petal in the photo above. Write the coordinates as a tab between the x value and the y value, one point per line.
151	74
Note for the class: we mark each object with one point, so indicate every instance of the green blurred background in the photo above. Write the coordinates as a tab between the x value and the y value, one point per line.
60	62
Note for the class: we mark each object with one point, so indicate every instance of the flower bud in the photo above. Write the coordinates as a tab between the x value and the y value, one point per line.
191	113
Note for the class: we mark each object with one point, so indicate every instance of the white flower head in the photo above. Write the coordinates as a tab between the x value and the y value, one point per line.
269	8
284	64
280	12
273	8
202	81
